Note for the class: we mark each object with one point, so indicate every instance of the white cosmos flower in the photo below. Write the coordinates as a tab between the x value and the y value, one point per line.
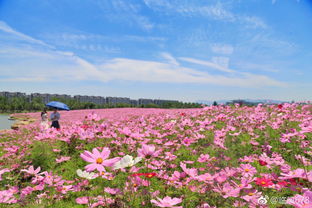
126	161
85	174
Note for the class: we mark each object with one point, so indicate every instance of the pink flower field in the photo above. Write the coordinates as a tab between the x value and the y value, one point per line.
218	156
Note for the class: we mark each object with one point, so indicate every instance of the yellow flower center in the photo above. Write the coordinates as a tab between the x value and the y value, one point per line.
263	182
250	194
247	170
135	185
99	160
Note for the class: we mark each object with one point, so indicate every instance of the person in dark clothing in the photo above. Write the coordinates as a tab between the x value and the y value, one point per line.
55	117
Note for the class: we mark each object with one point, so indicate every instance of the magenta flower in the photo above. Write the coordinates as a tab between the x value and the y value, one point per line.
227	190
112	191
299	201
7	197
26	191
189	171
82	200
62	159
148	151
167	202
5	170
298	173
203	158
98	159
31	170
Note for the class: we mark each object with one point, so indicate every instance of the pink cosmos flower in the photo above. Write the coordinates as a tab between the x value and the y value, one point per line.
5	170
298	173
205	178
247	170
98	159
31	170
220	177
62	159
205	205
170	156
65	189
56	150
26	191
167	202
227	190
189	171
148	151
39	187
252	196
155	193
82	200
112	191
7	197
301	201
244	184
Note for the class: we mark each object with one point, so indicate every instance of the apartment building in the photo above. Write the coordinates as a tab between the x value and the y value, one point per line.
46	97
143	101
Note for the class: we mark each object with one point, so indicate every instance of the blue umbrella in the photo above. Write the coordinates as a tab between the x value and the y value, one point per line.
58	105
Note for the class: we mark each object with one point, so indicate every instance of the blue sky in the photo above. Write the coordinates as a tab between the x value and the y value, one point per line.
171	49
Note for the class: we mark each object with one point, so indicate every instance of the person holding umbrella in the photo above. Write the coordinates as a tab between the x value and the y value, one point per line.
55	117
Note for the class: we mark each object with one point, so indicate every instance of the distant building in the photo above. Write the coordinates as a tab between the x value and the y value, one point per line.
10	95
46	97
134	102
160	102
81	98
111	100
143	101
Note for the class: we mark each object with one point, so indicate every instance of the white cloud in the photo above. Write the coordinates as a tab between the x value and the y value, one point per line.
254	22
28	63
245	65
210	64
170	59
215	11
221	61
152	71
69	67
6	28
125	12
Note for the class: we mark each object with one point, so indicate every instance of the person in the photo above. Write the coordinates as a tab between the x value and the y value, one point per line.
44	119
55	117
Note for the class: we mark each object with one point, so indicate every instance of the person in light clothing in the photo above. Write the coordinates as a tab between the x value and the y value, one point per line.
44	119
55	117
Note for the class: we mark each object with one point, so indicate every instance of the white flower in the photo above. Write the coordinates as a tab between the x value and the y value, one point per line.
85	174
126	161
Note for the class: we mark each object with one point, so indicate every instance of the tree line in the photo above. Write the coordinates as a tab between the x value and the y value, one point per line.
22	104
